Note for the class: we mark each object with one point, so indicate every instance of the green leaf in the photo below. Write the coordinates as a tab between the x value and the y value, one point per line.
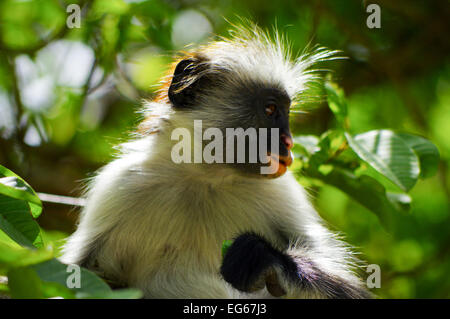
16	221
225	246
337	102
116	7
364	189
54	290
24	283
306	144
91	286
13	186
128	293
55	271
18	205
322	152
46	277
389	154
330	144
4	289
14	256
426	151
401	201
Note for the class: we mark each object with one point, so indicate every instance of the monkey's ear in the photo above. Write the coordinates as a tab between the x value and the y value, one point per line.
184	82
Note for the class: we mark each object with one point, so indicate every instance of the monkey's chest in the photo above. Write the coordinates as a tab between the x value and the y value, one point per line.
191	222
217	215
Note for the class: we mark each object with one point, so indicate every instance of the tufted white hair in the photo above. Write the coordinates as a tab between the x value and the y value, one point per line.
252	54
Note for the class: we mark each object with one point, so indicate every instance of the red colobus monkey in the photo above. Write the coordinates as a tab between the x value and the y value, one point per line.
159	225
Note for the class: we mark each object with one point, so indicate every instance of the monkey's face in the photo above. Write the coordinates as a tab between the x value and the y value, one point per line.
252	116
267	108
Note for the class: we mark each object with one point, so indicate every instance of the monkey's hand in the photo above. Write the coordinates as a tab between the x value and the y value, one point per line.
251	263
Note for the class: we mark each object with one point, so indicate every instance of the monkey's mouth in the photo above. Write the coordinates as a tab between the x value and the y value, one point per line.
283	163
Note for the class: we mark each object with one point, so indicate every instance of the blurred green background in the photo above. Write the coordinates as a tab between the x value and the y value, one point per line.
68	95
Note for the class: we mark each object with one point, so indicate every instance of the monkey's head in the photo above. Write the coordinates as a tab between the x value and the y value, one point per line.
248	81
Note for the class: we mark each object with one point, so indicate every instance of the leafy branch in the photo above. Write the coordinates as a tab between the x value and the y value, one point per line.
31	269
399	157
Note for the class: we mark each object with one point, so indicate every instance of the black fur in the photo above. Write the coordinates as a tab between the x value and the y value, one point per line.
182	93
251	257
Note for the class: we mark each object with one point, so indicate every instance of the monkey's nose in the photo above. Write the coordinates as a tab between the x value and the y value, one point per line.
287	140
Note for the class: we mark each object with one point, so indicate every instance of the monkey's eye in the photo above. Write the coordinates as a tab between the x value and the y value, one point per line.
270	109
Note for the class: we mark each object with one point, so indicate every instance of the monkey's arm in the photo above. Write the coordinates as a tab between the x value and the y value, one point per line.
252	263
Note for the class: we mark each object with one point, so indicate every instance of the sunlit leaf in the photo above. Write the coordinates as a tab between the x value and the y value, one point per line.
307	144
363	189
13	256
322	152
330	143
116	7
426	151
337	102
64	116
13	186
387	153
401	201
16	221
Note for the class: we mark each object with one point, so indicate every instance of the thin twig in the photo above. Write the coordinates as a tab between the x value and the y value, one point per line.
64	200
